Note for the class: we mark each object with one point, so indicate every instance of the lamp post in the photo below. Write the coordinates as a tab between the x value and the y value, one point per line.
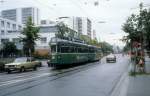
102	22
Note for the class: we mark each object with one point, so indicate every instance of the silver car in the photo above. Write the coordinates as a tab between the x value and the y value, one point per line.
111	58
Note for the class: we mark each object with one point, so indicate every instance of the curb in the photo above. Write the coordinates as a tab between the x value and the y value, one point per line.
121	87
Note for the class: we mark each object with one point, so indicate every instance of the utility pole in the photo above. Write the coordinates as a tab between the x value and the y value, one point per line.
142	38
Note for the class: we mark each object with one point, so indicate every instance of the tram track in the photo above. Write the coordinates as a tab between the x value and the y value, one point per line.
45	79
19	75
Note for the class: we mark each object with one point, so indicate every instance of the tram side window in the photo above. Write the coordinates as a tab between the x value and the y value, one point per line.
91	50
53	48
79	50
76	50
72	50
64	49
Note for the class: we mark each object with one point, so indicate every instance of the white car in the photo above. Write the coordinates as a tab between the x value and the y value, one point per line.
111	58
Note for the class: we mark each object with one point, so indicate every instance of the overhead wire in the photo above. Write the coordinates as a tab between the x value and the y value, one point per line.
50	8
79	7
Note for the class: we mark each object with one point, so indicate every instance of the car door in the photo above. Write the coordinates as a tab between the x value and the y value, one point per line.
29	63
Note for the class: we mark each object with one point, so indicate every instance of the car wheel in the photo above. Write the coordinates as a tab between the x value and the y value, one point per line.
22	69
8	71
35	68
40	65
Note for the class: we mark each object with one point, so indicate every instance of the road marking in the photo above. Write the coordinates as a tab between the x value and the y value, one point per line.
21	80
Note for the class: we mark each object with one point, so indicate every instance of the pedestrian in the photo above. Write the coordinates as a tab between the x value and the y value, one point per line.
141	64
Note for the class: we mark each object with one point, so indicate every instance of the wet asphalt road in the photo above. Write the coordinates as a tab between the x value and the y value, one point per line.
93	79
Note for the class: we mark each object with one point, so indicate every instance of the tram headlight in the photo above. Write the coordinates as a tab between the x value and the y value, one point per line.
53	57
59	57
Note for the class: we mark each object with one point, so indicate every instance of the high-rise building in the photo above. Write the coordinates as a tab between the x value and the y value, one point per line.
82	25
21	15
94	34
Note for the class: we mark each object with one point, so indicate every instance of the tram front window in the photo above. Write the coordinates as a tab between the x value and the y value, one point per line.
53	48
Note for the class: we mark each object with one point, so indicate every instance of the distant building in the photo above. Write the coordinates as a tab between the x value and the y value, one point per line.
21	15
82	25
46	22
46	33
86	27
9	31
71	22
94	34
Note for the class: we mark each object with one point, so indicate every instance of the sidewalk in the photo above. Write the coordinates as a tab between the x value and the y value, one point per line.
139	85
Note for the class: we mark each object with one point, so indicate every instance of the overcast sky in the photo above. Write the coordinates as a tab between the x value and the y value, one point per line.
112	12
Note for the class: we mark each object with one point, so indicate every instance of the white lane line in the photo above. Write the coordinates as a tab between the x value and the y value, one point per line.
21	80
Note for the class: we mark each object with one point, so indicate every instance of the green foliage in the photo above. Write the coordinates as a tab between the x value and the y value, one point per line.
30	35
126	47
63	30
137	27
9	48
106	47
85	38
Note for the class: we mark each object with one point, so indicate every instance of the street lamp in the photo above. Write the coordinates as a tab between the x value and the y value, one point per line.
102	22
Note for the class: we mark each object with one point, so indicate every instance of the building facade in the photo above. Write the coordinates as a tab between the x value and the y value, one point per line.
71	22
20	15
85	26
9	31
46	32
82	25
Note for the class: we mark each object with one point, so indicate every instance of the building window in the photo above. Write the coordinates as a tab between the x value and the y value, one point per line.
2	32
48	29
4	40
43	22
2	23
14	26
8	25
9	31
43	40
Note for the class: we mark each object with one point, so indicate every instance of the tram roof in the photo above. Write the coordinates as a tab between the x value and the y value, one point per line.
58	40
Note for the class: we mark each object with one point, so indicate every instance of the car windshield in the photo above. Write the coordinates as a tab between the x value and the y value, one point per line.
111	55
20	60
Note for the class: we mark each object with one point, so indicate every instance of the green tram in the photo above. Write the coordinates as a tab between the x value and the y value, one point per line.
70	52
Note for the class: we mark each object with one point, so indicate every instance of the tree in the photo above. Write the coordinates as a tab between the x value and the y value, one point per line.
9	48
85	38
62	29
138	28
30	35
106	47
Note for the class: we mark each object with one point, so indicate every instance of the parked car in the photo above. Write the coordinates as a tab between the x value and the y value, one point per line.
4	61
21	64
2	65
111	58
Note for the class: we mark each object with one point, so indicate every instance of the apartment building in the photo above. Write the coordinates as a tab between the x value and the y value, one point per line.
20	15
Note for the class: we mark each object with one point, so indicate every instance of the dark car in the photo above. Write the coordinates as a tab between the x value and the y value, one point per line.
2	66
